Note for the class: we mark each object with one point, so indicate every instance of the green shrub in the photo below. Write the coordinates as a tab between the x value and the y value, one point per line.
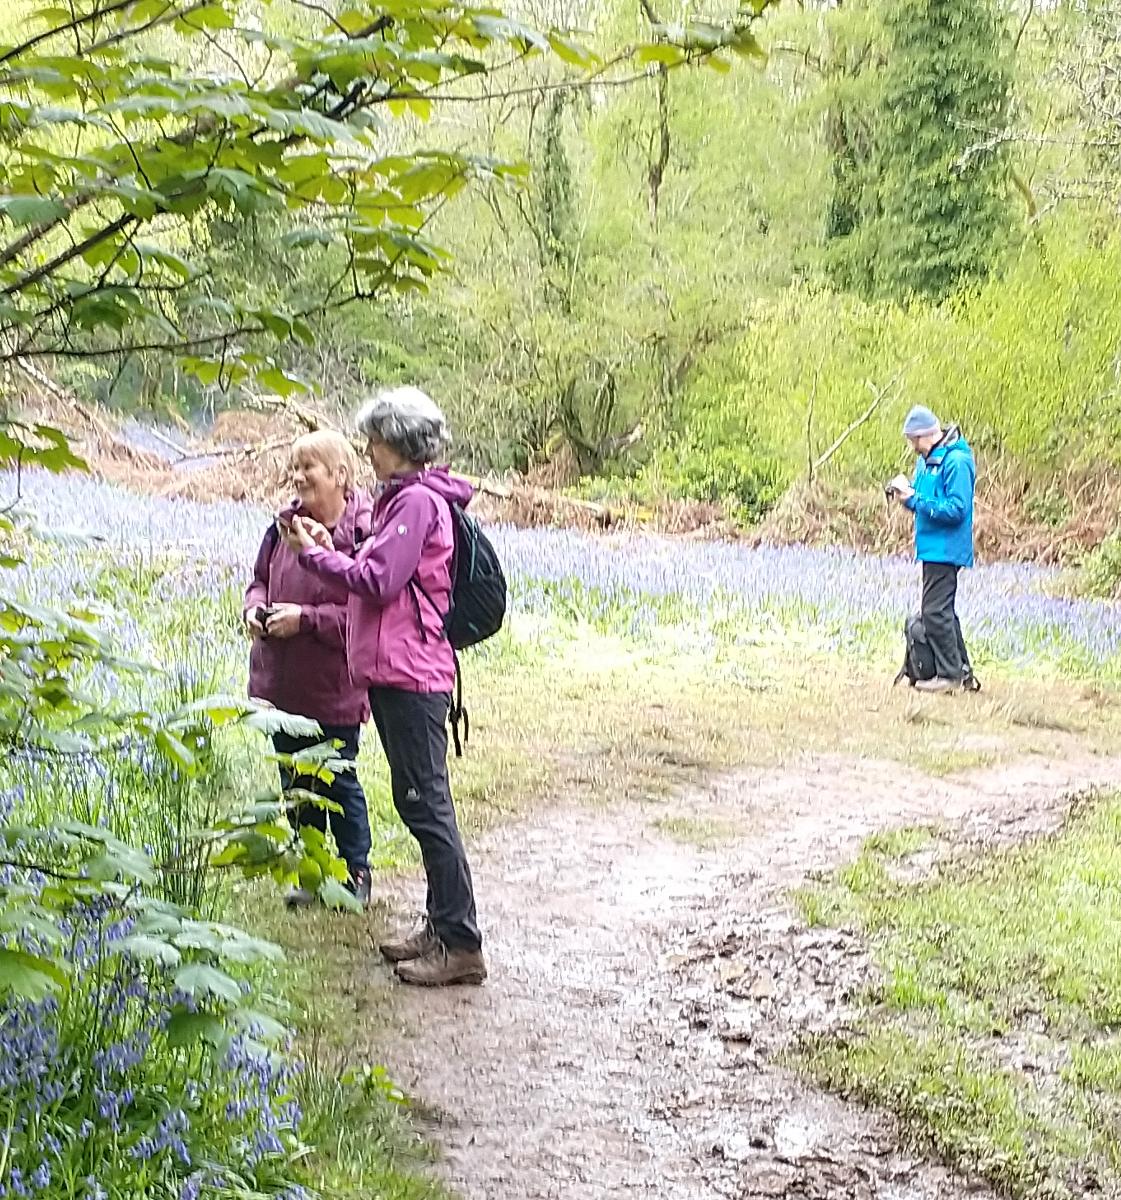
1101	572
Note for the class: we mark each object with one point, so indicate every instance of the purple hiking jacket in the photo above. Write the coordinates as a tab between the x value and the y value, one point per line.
307	674
413	539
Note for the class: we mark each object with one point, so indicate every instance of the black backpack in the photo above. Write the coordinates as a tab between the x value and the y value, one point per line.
918	657
478	604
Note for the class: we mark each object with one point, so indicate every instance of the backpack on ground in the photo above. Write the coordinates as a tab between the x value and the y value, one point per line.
478	604
918	657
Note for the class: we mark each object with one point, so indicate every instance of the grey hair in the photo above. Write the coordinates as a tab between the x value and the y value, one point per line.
409	421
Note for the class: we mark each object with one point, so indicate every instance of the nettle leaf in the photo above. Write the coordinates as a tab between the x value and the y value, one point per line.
261	1025
572	52
151	949
57	455
283	383
206	370
226	943
335	895
175	751
191	1029
31	210
119	862
165	258
272	720
503	29
219	708
30	976
303	239
199	979
212	16
661	53
745	45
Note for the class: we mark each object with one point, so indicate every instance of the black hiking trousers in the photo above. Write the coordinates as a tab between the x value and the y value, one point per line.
413	727
940	620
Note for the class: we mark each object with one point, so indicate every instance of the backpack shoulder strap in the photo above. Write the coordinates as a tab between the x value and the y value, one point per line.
457	714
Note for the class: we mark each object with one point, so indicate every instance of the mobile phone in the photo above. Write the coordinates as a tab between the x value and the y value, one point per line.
264	611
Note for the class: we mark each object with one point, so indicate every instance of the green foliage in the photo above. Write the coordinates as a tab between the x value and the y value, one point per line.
1026	364
130	132
123	1007
1100	575
98	256
744	478
944	200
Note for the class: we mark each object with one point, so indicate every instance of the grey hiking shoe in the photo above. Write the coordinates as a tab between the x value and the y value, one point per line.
416	945
442	967
938	685
299	897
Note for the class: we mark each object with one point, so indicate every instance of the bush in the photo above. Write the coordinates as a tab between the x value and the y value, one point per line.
1100	576
737	476
1028	364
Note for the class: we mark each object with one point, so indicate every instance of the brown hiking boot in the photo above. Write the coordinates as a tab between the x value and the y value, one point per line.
442	967
416	945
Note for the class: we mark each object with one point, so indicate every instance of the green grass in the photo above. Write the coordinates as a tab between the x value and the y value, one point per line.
899	843
957	1103
1013	948
704	833
359	1125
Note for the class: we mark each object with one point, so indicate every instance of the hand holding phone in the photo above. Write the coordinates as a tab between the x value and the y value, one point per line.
898	488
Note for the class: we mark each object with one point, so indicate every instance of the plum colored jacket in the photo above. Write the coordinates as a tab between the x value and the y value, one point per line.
307	674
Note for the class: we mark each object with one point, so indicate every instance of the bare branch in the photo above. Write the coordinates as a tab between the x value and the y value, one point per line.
879	396
56	31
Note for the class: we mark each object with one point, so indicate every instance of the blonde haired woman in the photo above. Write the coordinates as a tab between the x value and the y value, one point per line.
298	623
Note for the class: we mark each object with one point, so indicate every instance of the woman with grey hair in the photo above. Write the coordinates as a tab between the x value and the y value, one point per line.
396	649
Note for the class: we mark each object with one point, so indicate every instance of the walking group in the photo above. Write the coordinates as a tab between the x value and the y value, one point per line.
348	611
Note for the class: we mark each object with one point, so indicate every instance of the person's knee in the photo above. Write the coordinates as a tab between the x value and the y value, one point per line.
937	617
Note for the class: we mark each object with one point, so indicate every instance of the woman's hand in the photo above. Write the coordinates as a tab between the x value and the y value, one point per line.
255	628
285	620
320	534
303	533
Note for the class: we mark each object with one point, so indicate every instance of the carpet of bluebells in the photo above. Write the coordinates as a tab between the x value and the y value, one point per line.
634	586
101	1100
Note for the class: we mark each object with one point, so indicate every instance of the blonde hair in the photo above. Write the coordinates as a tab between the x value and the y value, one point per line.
332	450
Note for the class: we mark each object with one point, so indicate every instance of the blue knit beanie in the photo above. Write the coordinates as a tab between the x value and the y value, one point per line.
921	420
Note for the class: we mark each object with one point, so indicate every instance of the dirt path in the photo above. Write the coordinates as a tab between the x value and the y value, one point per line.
640	987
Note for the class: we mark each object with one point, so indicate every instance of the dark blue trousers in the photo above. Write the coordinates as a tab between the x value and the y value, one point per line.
351	827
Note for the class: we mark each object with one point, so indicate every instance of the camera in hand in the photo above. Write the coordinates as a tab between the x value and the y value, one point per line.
264	611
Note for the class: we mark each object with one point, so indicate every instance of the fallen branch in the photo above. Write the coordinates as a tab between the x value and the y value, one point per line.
249	451
879	396
312	420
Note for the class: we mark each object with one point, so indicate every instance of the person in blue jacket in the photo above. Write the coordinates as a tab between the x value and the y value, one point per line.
941	498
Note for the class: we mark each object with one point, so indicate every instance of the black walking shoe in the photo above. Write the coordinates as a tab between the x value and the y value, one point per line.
360	884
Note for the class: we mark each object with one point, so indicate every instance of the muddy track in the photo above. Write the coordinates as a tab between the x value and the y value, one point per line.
640	989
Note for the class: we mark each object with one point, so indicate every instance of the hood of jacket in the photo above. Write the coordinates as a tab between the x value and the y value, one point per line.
437	479
952	441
